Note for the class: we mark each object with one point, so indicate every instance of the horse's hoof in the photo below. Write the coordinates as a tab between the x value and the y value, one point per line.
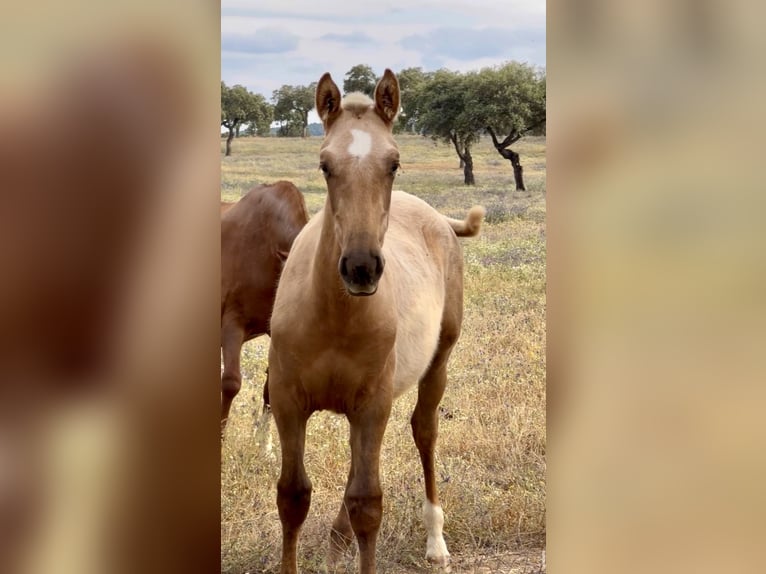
437	554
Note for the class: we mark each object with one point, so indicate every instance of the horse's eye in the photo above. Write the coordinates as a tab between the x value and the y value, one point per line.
325	169
395	167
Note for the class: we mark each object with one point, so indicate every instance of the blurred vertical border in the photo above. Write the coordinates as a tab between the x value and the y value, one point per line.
656	284
109	283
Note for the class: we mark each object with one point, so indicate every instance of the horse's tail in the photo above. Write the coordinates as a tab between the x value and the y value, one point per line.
471	226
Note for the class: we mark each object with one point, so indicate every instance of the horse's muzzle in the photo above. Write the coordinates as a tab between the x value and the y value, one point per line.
360	271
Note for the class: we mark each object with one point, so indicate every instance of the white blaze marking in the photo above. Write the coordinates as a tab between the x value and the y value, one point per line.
361	145
436	548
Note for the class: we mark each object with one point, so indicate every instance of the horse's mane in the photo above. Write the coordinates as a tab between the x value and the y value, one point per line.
356	102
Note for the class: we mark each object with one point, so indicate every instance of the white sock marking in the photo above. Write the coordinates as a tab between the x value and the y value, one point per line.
436	548
361	144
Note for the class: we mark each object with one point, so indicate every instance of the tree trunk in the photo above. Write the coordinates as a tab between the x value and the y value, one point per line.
228	141
510	155
468	168
237	130
518	171
466	160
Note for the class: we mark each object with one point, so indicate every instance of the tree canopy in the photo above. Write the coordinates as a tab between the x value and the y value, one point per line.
411	81
239	106
513	104
292	105
444	110
360	78
506	102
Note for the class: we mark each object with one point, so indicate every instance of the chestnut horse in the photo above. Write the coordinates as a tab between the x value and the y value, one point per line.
256	235
226	206
349	337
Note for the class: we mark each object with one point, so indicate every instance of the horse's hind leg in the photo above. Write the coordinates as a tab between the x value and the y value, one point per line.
262	425
232	337
425	425
341	534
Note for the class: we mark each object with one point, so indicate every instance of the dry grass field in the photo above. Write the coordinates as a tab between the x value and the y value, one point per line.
491	447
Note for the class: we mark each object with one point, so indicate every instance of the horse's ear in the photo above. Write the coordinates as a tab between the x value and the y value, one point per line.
327	100
387	97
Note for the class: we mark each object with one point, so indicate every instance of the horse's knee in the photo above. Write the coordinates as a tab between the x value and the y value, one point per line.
293	500
365	512
230	385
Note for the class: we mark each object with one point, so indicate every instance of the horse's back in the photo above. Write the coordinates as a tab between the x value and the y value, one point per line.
253	233
414	220
268	211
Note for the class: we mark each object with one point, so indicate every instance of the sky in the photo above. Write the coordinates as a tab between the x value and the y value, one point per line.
267	44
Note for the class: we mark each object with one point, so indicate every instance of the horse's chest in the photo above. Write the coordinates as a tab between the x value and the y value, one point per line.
337	378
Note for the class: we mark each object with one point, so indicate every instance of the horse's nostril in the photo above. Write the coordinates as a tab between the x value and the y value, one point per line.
361	274
378	265
361	268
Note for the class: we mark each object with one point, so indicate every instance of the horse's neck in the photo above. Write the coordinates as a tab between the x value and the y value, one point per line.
326	279
344	316
329	293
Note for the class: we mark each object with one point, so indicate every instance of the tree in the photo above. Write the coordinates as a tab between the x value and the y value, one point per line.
360	78
511	104
444	111
260	123
411	81
292	105
238	106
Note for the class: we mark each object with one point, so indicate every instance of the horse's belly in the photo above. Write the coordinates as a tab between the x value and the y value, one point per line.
417	337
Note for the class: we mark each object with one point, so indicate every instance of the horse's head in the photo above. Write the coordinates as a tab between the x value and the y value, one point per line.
359	159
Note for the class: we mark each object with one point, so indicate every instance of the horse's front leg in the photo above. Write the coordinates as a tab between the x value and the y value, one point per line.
294	486
364	496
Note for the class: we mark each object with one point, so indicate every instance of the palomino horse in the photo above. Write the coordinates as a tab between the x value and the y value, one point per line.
349	337
256	235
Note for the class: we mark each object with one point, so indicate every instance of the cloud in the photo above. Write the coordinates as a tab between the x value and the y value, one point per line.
295	42
472	44
262	41
352	38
